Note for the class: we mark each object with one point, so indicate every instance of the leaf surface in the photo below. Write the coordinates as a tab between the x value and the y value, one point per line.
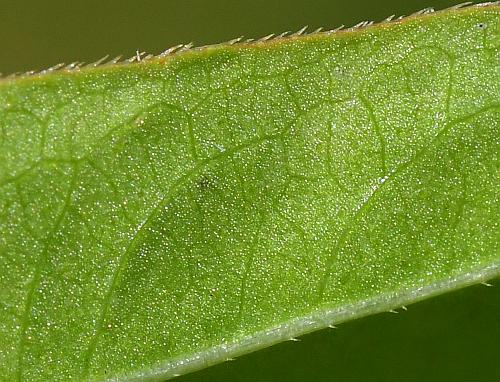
159	217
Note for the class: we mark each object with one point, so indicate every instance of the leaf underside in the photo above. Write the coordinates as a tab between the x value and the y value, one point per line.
163	216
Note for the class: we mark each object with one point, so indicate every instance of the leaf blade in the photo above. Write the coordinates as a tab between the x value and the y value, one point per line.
229	191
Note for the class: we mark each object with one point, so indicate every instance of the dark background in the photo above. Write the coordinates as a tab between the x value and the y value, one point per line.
455	337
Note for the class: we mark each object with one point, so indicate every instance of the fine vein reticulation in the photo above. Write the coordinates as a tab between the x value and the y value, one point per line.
162	216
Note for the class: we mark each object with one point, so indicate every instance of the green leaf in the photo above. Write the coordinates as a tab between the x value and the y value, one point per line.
159	217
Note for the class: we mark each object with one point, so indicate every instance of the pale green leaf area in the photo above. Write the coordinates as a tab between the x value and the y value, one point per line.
159	217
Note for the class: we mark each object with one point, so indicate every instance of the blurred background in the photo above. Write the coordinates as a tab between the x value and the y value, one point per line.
455	337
